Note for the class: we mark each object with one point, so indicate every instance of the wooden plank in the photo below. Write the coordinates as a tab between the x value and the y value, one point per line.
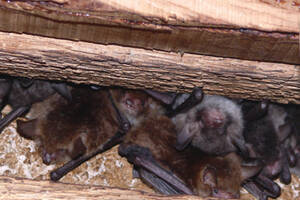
264	15
263	30
81	62
25	189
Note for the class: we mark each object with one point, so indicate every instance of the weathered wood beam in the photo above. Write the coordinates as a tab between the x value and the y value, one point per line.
25	189
262	30
81	62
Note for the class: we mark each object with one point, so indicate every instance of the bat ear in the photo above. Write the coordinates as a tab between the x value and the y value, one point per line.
185	136
284	131
62	89
25	82
27	129
79	149
209	177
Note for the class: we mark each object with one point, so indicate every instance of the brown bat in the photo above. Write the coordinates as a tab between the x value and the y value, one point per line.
91	123
214	126
21	93
150	147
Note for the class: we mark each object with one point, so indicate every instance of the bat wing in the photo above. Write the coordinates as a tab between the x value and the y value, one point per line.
157	183
178	103
182	104
14	114
151	172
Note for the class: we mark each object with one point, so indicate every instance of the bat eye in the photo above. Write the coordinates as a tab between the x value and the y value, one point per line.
215	191
129	102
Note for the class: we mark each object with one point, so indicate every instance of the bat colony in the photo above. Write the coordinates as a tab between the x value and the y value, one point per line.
196	144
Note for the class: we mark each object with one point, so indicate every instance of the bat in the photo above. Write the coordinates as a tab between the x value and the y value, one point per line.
150	147
266	136
214	126
266	129
75	131
293	144
21	93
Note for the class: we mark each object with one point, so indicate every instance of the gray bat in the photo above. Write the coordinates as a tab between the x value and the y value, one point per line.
21	93
214	126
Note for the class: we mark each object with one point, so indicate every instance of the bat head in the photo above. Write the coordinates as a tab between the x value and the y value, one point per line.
211	126
136	105
218	177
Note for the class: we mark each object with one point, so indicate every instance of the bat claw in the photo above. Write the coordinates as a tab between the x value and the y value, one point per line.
54	176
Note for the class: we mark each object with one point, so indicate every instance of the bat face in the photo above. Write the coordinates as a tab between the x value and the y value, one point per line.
66	130
132	103
136	105
214	126
150	147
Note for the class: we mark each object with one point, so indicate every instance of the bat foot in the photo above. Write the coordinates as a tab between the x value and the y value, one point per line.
54	176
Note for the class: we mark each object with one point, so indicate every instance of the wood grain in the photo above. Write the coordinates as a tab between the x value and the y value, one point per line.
81	62
264	15
262	30
25	189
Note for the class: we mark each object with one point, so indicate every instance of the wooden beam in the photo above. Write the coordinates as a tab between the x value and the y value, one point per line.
266	15
81	62
25	189
262	30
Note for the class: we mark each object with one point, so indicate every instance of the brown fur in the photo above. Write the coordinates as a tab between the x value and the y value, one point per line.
158	135
66	130
136	105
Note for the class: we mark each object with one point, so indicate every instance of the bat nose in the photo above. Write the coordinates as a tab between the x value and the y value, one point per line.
224	194
212	118
46	158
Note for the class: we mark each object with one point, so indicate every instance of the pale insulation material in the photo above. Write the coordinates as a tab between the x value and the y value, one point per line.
19	157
